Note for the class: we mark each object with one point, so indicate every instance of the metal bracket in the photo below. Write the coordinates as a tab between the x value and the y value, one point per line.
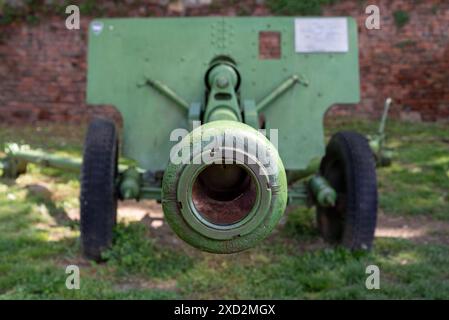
222	103
168	92
280	90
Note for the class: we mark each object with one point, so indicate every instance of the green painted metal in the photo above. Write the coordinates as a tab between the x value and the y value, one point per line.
277	92
383	121
27	155
222	103
312	168
130	184
190	223
18	156
322	191
152	193
377	141
194	113
177	53
299	194
12	168
169	93
165	74
251	117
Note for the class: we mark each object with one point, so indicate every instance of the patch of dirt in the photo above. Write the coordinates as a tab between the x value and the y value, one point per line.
419	229
77	260
149	212
131	210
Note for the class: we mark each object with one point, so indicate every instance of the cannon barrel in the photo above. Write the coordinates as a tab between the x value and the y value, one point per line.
230	190
225	187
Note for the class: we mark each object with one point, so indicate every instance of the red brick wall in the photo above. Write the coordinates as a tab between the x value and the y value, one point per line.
410	64
43	67
42	72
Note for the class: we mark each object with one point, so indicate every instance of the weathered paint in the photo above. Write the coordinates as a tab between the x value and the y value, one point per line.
177	53
238	237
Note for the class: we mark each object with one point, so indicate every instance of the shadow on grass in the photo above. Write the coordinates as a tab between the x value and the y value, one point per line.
40	195
35	253
33	266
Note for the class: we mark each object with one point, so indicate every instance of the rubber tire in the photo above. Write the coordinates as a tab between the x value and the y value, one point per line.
98	198
350	168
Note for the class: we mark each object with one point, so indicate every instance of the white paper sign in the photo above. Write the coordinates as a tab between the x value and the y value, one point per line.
321	35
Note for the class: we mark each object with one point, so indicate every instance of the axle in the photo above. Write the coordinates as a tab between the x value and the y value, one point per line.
24	155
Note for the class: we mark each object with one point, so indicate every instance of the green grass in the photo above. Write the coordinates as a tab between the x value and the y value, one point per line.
417	182
38	240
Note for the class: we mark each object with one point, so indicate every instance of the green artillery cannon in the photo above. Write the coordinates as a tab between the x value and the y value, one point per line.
382	154
224	118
